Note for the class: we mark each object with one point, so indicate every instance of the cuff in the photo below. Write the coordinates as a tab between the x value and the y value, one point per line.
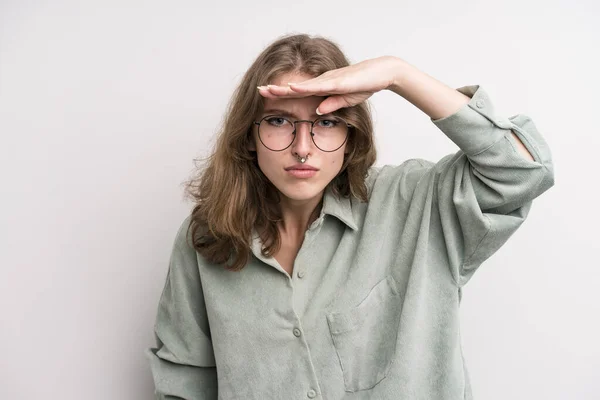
475	126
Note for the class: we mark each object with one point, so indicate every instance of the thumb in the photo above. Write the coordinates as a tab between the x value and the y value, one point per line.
331	104
334	103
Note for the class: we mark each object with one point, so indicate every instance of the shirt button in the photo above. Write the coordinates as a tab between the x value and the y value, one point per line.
480	103
300	274
503	123
296	332
311	394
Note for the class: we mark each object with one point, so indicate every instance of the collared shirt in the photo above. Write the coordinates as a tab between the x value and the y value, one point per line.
371	310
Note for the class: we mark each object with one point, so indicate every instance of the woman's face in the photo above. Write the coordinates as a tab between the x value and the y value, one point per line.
274	163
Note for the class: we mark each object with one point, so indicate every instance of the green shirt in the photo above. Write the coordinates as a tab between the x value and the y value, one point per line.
372	308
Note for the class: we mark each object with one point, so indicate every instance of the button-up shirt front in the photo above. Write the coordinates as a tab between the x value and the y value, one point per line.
371	310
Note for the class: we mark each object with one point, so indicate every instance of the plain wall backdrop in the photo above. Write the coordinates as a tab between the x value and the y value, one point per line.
105	104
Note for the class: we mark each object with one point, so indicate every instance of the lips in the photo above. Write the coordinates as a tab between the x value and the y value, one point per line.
301	167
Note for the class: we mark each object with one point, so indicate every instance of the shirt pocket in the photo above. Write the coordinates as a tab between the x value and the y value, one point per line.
365	336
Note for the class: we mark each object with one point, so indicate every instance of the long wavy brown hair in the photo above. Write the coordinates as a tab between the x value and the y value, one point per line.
232	196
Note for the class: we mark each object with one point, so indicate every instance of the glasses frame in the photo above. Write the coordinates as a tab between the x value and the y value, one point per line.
312	135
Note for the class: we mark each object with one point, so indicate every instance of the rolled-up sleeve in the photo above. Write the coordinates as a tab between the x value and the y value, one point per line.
183	363
484	191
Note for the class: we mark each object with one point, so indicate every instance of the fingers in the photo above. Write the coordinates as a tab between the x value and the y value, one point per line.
312	87
315	87
274	91
264	92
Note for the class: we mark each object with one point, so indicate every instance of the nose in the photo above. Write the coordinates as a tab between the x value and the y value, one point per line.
303	140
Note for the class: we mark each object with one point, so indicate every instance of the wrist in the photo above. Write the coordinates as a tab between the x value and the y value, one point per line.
398	72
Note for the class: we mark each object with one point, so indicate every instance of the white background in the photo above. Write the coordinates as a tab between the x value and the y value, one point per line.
104	105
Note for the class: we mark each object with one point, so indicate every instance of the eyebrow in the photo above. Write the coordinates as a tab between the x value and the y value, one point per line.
287	113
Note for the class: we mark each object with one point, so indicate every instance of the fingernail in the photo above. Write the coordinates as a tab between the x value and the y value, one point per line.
318	112
261	87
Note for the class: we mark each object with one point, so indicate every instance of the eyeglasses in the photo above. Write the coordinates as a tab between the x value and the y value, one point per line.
277	133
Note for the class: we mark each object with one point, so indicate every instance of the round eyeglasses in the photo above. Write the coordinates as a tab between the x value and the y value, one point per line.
277	133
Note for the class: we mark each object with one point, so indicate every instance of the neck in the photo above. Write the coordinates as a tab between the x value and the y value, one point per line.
297	215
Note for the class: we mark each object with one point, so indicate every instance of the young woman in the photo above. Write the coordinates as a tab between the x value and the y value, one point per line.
305	272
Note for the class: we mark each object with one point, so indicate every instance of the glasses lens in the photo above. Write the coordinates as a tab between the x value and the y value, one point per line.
276	133
330	133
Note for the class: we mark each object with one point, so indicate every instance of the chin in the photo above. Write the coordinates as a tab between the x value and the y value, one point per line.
300	192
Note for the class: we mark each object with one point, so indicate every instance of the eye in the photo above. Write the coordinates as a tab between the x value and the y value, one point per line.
328	123
276	121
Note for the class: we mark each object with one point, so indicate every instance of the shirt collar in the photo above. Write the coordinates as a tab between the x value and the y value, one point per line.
339	207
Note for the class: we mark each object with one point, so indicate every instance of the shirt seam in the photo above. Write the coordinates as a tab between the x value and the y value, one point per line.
485	149
468	259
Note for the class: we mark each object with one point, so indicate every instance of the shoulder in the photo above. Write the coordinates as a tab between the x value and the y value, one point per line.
409	171
387	181
183	237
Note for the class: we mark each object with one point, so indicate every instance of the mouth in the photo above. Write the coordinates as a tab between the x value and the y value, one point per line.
299	170
302	173
301	167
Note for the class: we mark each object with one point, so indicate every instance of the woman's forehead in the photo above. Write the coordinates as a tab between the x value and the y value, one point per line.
290	104
296	106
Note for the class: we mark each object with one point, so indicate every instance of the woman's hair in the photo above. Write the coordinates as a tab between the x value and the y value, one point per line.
232	195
